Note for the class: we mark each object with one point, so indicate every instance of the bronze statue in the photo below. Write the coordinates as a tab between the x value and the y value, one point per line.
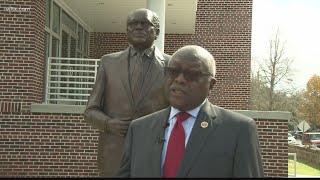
129	84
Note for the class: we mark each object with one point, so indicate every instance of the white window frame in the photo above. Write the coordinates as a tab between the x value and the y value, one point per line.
79	22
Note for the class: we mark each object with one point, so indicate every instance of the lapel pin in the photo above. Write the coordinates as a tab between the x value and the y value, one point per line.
204	124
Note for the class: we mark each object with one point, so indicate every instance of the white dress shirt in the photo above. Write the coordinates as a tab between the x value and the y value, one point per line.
187	125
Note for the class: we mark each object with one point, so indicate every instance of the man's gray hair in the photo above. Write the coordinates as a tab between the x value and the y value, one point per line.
199	53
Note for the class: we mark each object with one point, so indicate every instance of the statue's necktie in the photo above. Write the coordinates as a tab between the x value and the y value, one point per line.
176	147
137	76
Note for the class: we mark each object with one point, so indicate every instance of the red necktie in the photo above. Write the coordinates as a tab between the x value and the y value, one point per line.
176	146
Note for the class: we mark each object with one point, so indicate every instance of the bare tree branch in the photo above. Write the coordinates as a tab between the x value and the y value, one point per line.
276	68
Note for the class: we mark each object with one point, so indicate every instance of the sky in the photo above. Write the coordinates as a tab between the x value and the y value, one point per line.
298	22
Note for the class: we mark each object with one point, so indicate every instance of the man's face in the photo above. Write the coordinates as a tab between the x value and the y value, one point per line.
140	30
187	90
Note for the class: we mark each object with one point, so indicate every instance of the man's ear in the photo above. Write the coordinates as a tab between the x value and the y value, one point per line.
157	33
212	83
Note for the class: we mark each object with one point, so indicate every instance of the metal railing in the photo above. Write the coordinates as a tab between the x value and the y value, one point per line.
70	80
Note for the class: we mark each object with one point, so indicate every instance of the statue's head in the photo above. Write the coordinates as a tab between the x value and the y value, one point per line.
142	28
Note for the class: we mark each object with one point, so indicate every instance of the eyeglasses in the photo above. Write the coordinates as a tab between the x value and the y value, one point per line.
188	75
143	23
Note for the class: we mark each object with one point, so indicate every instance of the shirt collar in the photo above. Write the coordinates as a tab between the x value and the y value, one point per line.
148	52
193	112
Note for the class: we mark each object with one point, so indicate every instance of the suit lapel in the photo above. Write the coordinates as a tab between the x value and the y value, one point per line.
153	74
198	137
124	76
158	131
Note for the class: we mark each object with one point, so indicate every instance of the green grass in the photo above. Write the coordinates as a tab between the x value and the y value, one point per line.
303	167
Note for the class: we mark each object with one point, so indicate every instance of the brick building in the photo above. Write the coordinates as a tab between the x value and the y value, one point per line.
42	132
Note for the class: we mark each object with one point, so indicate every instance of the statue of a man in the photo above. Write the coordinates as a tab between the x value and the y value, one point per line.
129	84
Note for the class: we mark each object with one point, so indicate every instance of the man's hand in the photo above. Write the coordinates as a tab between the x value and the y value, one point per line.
118	126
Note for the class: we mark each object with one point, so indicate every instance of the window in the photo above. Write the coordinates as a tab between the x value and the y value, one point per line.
68	80
68	21
80	37
86	44
83	42
56	18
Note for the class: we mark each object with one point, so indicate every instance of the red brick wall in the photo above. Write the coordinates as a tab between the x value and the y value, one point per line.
60	145
105	43
46	145
21	52
63	145
274	146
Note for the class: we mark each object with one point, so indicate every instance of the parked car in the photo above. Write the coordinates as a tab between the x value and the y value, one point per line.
312	138
291	139
298	134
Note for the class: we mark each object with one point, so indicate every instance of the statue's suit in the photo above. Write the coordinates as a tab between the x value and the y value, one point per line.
111	97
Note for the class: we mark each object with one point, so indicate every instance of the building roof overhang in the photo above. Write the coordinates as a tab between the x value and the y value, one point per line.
111	15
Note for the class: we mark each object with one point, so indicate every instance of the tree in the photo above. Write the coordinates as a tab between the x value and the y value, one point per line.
259	93
271	86
290	102
283	101
275	69
310	108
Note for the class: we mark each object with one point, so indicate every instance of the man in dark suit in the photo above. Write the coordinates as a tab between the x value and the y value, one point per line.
208	142
129	84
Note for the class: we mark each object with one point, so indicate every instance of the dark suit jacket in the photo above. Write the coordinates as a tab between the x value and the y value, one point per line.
228	147
111	97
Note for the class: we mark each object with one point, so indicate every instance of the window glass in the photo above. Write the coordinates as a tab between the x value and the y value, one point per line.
54	74
46	45
46	55
48	6
86	42
80	37
56	18
55	47
65	44
69	22
73	47
79	55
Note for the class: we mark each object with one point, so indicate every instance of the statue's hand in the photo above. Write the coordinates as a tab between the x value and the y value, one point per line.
118	126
